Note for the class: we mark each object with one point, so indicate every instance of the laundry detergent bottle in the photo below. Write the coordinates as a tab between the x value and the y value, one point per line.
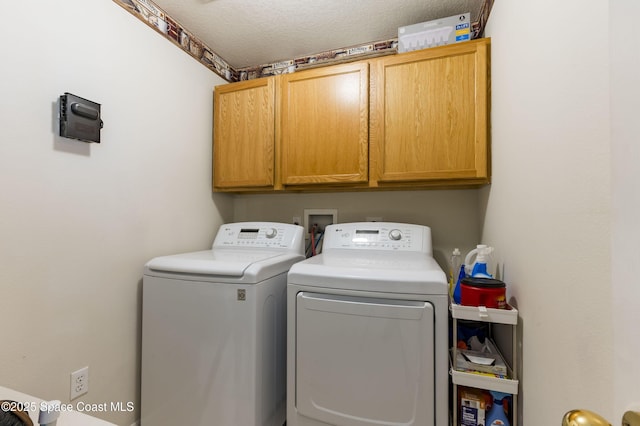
478	269
497	416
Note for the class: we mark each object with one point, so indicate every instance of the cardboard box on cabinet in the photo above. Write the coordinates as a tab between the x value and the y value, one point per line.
439	32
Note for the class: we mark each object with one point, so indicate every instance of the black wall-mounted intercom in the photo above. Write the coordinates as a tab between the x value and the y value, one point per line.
79	118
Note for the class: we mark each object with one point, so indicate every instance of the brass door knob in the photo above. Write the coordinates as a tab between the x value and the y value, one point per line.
631	418
583	418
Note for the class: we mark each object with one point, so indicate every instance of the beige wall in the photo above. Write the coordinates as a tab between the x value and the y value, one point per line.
548	209
79	221
451	214
625	253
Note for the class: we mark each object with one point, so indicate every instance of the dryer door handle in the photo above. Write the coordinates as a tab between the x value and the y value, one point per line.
363	306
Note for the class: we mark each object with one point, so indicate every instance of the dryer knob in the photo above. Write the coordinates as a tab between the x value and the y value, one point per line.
271	232
395	234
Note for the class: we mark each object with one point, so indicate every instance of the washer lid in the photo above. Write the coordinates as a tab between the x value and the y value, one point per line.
233	263
366	270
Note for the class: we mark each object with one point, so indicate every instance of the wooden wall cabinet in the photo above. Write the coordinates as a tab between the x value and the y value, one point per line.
429	116
413	120
244	135
324	125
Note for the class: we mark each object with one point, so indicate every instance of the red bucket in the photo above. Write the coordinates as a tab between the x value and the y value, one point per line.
487	292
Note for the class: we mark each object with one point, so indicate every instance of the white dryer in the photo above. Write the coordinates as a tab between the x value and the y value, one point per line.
367	330
214	329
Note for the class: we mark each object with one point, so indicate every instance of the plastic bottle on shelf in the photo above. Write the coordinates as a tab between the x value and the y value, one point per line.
497	416
455	267
478	269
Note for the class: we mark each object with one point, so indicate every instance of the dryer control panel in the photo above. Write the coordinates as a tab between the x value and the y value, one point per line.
260	235
378	236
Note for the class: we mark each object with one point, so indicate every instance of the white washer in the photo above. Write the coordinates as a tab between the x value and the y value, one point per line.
367	330
214	329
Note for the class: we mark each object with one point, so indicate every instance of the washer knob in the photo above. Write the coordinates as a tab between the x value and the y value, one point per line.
271	232
395	234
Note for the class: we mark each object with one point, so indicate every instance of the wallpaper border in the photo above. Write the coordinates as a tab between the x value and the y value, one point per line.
156	18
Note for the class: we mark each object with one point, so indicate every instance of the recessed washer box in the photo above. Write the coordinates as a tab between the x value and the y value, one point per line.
320	218
438	32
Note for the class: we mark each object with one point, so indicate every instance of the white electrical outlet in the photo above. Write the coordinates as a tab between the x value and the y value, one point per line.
79	382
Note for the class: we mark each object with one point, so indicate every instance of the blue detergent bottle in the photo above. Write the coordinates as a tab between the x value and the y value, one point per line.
497	416
456	291
478	269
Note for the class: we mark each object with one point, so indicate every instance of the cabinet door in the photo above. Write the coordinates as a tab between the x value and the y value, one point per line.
244	135
324	127
429	115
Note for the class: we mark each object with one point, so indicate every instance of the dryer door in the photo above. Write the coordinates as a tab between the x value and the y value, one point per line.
363	361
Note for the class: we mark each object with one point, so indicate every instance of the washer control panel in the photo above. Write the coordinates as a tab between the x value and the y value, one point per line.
378	236
259	234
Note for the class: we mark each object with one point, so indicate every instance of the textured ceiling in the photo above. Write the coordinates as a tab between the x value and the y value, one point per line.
248	33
